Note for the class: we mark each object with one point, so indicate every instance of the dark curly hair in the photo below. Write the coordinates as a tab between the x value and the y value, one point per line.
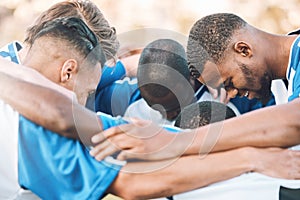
158	64
209	38
203	113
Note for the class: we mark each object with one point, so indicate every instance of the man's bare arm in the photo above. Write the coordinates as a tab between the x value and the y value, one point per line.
276	126
28	74
49	107
191	172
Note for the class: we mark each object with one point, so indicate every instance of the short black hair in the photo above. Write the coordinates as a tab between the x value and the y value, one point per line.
76	33
161	66
203	113
209	38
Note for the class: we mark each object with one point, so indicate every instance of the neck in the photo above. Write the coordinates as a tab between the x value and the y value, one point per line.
278	61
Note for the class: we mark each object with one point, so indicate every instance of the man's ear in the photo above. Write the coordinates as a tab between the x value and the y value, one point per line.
243	48
69	68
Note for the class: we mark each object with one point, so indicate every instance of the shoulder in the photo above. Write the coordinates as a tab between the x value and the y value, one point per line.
109	121
10	51
59	158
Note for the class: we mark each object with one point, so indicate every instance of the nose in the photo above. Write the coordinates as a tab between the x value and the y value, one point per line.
231	93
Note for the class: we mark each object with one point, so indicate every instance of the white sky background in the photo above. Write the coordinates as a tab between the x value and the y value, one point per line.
176	15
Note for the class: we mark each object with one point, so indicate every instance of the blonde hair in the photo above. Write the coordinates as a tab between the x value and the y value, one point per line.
89	13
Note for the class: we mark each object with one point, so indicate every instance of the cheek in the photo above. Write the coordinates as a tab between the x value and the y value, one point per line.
95	79
253	82
93	84
240	82
98	75
243	78
90	81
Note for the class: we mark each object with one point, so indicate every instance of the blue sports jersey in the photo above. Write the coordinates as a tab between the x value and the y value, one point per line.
108	77
108	121
55	167
111	74
115	99
10	52
9	121
244	105
293	73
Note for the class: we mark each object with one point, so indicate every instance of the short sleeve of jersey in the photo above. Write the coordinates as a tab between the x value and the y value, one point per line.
55	167
296	87
115	98
111	74
293	72
10	52
109	121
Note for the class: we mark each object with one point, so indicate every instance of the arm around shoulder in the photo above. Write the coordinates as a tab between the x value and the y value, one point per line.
274	126
161	179
166	178
49	108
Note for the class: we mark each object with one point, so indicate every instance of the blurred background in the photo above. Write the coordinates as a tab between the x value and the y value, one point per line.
176	15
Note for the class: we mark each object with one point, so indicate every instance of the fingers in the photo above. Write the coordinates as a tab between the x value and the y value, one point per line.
127	155
100	137
224	98
134	141
103	150
107	142
123	156
213	92
140	122
112	140
232	93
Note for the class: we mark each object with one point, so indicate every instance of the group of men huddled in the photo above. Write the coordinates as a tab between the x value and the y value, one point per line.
73	126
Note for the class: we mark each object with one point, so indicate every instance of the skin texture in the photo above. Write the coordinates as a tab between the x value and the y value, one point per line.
283	130
245	68
88	12
179	175
269	133
164	78
61	67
